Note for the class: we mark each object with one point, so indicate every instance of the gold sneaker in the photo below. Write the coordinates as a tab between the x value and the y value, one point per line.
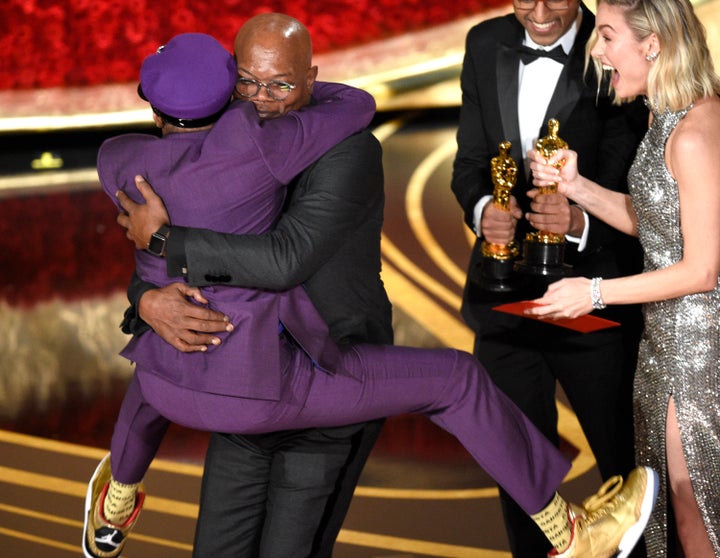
102	539
611	522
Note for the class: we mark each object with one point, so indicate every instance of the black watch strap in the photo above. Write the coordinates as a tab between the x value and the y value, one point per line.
158	240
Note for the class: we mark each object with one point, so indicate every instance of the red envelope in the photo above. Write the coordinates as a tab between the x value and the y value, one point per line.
583	324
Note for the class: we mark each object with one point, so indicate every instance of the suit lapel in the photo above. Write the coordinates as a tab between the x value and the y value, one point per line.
507	91
507	85
565	97
569	88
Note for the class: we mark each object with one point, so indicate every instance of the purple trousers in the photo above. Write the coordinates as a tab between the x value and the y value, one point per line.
450	387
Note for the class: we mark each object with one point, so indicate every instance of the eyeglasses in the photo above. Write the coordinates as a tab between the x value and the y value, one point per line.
549	4
277	90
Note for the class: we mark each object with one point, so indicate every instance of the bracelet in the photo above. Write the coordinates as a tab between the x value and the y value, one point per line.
595	296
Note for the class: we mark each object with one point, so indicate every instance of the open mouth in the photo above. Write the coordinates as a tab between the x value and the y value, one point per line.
610	73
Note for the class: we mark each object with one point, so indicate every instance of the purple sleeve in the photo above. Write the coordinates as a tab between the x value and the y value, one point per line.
107	170
116	159
291	143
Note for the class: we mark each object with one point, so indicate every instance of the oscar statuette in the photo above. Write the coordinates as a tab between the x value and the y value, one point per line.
496	272
544	251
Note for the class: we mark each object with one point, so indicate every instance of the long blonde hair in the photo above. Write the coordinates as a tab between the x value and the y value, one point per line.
683	71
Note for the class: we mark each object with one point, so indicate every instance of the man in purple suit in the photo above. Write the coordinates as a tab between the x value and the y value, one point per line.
279	369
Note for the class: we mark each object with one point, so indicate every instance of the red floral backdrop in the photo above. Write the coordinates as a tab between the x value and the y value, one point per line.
49	43
61	245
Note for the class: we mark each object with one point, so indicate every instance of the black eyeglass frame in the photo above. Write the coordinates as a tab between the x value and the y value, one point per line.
247	82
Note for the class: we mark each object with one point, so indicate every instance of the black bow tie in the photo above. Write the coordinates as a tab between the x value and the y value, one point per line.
529	55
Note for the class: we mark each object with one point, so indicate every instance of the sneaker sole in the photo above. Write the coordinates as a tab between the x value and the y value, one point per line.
632	536
88	505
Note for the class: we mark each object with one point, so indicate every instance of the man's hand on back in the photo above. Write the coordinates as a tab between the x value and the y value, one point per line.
183	324
142	220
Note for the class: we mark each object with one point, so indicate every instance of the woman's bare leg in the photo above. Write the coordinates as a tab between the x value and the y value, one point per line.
690	527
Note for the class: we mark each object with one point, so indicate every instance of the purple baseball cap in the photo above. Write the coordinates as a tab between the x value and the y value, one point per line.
189	81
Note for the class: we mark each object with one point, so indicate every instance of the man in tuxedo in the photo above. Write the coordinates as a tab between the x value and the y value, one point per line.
509	92
284	493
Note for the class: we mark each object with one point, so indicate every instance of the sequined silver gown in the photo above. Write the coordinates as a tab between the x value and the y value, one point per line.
680	349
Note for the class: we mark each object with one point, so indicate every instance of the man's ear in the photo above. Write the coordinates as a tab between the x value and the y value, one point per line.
311	77
159	122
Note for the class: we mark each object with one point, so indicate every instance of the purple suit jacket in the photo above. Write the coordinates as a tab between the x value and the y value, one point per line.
231	179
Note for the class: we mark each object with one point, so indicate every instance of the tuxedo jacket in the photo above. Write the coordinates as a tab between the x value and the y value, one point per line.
232	179
604	135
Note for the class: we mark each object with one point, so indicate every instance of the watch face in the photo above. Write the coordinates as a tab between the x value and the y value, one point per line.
157	244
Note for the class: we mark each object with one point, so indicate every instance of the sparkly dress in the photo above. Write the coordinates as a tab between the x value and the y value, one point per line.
680	349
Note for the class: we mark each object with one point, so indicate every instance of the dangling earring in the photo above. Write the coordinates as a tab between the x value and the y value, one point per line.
652	56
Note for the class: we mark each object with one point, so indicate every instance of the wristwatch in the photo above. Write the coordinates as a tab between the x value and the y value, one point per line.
158	240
